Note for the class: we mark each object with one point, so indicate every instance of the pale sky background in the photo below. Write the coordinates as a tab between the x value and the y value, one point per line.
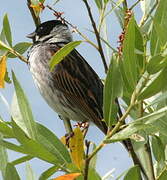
112	156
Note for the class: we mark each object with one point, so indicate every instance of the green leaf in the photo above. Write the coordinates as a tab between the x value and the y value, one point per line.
22	160
159	31
143	123
108	175
24	118
11	173
158	149
29	172
20	48
7	30
139	49
93	174
163	175
4	158
155	86
7	78
33	147
129	60
64	51
159	99
156	63
2	38
146	6
49	172
4	46
99	4
13	147
112	89
6	130
133	173
53	144
93	161
120	16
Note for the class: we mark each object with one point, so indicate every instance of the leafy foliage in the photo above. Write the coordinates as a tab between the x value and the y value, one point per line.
136	77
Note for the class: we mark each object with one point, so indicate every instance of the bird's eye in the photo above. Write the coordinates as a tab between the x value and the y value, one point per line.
41	28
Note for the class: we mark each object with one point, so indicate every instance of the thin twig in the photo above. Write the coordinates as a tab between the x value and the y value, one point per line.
135	4
35	18
100	49
74	27
145	18
87	160
125	5
67	125
22	58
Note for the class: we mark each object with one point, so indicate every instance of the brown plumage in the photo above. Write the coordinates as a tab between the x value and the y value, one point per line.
72	89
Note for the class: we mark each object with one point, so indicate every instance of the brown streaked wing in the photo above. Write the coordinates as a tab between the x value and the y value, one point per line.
81	86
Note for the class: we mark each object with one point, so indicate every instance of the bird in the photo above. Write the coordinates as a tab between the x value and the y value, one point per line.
72	89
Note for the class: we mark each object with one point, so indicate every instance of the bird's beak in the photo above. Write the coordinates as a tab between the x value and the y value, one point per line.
31	35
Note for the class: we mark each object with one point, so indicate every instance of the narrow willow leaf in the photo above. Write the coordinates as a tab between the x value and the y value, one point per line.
53	144
27	121
139	47
93	174
155	86
2	71
127	132
112	89
20	48
163	175
22	160
156	64
7	78
64	51
99	4
108	175
13	147
93	161
146	122
120	16
76	145
4	158
2	39
49	172
4	46
159	99
157	40
11	173
33	147
133	173
146	6
129	58
5	130
158	149
7	30
29	172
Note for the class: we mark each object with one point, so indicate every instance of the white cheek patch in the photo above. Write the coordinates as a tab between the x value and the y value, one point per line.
36	38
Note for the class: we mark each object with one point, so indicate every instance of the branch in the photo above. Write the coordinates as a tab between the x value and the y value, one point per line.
125	5
35	18
144	18
58	15
87	160
100	49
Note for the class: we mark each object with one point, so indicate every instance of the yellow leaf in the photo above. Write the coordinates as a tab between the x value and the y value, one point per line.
63	140
2	71
71	176
76	145
37	7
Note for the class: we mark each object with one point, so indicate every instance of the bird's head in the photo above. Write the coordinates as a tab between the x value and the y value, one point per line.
53	31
